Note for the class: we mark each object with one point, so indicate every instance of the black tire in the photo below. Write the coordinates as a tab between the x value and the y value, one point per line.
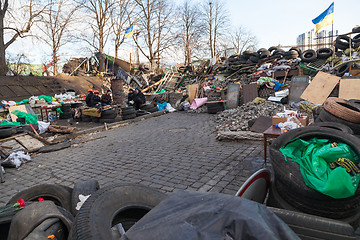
141	113
334	125
85	118
128	112
356	30
295	49
340	46
324	53
308	56
7	131
85	188
288	174
312	227
343	40
248	53
154	109
60	195
265	54
65	108
273	49
291	55
254	59
341	70
356	38
108	114
129	116
147	107
325	116
127	108
95	119
125	204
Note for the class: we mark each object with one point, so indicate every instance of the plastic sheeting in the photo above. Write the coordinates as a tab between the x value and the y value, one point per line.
207	216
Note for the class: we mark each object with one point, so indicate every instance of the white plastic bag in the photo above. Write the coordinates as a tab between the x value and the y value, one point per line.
15	159
43	126
169	108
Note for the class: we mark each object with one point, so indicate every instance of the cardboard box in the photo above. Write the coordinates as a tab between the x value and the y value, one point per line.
303	120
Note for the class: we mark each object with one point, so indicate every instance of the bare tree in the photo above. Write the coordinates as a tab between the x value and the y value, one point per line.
215	22
31	13
190	29
57	18
243	40
155	23
100	11
120	19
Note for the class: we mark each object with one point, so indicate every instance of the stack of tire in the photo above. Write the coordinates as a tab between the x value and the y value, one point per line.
341	111
108	116
66	111
288	191
85	118
93	208
149	107
128	113
311	55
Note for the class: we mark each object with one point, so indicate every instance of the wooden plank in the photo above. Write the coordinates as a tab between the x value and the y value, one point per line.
261	124
15	146
21	108
349	89
320	88
29	142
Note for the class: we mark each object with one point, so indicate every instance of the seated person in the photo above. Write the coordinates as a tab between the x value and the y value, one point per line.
88	97
139	98
95	100
130	96
106	98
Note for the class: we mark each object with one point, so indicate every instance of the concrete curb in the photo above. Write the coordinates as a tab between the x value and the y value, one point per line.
109	126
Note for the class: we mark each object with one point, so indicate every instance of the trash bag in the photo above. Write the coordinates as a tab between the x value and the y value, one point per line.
48	99
162	106
29	118
326	166
15	159
202	216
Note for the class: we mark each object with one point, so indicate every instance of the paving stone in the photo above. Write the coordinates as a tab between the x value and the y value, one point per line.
148	153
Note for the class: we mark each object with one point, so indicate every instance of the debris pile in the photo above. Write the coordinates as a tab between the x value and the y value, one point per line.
238	119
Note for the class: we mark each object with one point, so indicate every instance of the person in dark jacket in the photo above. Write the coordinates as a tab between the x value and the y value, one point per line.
89	97
106	98
95	100
130	96
139	98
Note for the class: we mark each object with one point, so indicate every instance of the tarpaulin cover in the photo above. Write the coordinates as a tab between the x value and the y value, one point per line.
29	118
326	166
206	216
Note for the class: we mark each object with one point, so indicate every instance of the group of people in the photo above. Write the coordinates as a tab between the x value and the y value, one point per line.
136	98
94	100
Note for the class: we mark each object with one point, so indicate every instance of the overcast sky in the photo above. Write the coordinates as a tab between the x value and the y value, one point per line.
273	22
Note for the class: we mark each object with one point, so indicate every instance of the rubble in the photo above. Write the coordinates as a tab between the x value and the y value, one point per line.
238	119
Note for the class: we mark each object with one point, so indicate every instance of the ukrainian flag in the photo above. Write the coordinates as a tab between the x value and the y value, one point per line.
129	32
324	19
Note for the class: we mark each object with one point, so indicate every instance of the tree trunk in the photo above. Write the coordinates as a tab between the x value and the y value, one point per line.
116	50
3	67
55	64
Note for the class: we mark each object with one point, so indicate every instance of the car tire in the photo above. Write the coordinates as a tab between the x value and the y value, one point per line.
324	53
308	56
340	108
60	195
85	188
125	204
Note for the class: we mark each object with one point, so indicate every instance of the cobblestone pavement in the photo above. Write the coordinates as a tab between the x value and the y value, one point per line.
171	152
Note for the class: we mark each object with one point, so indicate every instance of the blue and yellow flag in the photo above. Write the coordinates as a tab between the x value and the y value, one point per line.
129	32
324	19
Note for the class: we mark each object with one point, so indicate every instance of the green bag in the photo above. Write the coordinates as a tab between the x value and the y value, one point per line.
29	118
315	156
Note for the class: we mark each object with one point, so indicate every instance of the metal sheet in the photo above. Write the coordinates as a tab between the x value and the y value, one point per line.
233	95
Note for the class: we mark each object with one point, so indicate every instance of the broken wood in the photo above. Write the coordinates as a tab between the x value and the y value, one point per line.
29	142
7	147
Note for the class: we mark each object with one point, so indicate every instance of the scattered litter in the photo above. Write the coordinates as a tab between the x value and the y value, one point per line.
15	159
